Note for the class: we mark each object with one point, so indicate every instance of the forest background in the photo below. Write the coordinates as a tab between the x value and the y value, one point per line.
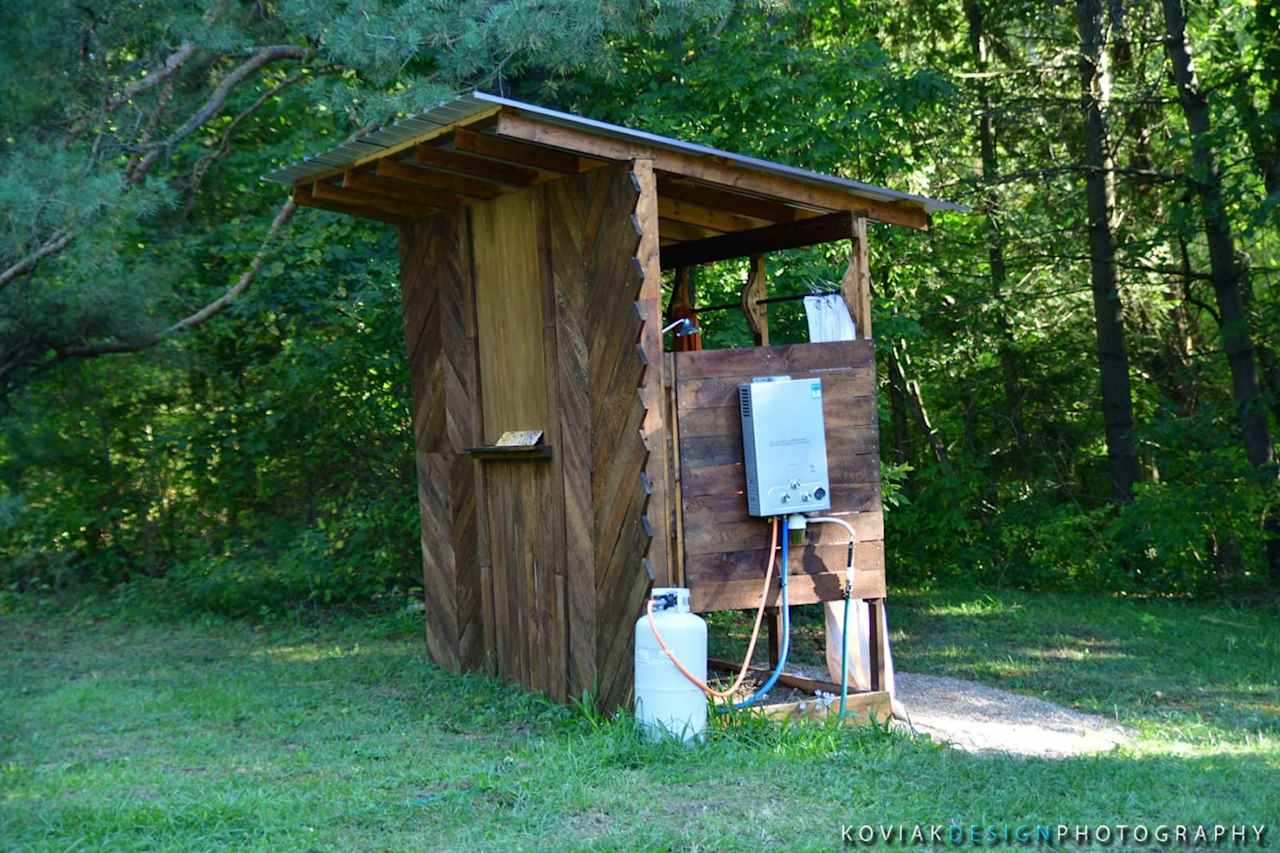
203	392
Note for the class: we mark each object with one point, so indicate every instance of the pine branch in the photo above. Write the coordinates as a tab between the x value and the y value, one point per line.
224	141
197	318
259	59
59	241
171	64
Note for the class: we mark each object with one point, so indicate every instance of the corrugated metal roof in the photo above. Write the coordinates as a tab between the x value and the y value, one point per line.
466	106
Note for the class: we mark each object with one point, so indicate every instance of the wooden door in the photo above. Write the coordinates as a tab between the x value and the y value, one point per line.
515	337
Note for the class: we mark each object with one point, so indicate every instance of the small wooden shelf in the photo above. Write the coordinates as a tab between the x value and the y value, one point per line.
494	452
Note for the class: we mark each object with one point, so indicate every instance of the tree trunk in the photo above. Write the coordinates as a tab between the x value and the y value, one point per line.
898	364
1264	130
898	418
978	42
1229	278
1113	357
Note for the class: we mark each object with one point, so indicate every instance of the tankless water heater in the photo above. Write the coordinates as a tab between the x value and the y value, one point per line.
784	445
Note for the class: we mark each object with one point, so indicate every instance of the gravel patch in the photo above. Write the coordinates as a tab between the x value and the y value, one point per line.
982	719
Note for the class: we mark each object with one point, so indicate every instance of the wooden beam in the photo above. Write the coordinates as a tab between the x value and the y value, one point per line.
811	685
683	232
515	151
398	190
419	178
671	187
476	167
856	283
482	190
712	170
706	217
303	196
788	235
752	292
481	117
328	192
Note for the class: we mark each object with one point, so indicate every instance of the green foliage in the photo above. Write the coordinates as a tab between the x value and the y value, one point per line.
263	459
338	733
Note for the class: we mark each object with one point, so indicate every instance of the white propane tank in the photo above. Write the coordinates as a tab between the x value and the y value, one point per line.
667	703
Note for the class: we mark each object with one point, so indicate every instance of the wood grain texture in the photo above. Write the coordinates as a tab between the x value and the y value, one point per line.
513	125
615	277
510	284
437	295
516	328
754	290
649	305
567	205
725	549
856	283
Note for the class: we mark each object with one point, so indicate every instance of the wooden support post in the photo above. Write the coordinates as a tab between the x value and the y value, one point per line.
773	620
681	305
676	491
652	391
856	284
752	292
875	664
681	293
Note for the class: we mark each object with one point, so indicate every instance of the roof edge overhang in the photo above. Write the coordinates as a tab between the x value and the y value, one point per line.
411	148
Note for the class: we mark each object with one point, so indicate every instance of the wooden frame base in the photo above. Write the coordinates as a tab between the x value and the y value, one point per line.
865	707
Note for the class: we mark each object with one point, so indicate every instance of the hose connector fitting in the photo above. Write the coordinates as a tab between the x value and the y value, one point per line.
797	526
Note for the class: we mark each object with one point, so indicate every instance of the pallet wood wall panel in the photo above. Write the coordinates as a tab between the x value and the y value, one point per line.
725	549
438	300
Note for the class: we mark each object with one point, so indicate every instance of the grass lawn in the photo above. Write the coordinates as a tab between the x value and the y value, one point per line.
152	733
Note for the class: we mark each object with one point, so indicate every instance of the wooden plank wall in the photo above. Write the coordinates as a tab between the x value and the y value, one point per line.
529	312
725	549
599	283
515	333
440	341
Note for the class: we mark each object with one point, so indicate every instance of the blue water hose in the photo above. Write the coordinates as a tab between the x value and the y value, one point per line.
844	651
786	636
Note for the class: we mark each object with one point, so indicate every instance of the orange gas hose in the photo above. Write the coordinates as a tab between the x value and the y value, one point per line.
751	646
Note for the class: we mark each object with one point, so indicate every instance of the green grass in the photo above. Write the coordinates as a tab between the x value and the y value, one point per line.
148	733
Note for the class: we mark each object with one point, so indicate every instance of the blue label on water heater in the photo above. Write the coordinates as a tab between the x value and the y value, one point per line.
815	389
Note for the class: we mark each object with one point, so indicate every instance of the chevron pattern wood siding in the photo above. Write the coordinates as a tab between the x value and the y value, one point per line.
538	570
439	309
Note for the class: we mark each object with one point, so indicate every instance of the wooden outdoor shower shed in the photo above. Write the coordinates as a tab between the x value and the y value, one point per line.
532	246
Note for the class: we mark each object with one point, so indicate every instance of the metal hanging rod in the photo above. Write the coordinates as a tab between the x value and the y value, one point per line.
790	298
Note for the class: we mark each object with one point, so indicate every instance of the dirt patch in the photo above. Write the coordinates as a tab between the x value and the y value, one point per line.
978	718
982	719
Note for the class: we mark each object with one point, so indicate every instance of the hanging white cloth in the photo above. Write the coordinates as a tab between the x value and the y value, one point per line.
859	659
829	318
